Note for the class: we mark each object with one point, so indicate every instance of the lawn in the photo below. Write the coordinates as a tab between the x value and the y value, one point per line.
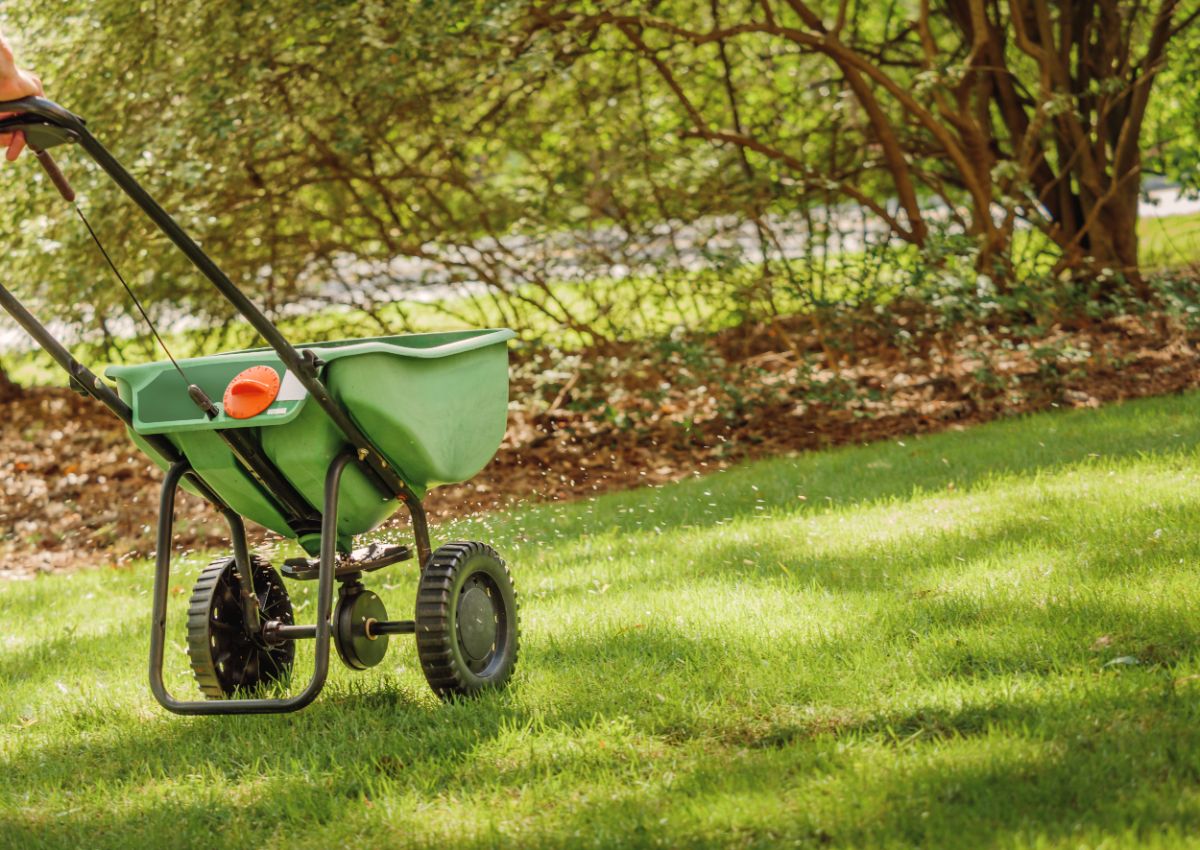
978	639
1170	242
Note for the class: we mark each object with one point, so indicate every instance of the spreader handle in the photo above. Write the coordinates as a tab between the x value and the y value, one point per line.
45	124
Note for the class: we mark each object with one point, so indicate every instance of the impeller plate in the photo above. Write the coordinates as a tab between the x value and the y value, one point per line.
356	609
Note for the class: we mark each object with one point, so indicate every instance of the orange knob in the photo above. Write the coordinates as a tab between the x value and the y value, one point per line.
251	392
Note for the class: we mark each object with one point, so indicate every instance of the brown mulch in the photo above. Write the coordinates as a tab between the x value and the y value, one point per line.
74	491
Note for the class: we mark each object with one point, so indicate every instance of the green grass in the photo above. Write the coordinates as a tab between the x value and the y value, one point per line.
978	639
1169	242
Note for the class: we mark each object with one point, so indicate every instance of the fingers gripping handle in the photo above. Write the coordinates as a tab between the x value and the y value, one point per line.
56	176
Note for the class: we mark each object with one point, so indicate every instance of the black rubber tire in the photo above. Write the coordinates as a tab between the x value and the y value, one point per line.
225	658
454	571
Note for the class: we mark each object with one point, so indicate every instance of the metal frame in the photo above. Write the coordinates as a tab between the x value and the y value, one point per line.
46	124
162	578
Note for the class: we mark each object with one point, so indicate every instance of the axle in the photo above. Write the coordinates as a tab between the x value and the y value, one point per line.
275	632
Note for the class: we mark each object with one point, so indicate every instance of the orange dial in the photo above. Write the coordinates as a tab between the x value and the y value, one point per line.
251	392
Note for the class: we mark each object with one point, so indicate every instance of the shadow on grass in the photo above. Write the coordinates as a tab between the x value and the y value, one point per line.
729	684
920	563
1084	762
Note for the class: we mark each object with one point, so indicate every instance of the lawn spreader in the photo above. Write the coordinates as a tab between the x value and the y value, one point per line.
319	443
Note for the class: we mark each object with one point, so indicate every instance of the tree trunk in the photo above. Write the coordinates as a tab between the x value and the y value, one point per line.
1102	234
1115	245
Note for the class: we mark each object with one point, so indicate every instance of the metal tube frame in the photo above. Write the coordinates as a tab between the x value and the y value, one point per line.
162	576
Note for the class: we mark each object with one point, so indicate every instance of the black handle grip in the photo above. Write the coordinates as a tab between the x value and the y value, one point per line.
56	176
46	110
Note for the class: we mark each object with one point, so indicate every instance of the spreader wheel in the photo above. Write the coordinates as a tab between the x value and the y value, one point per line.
225	656
466	620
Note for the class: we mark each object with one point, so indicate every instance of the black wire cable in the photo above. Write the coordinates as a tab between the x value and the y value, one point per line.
136	302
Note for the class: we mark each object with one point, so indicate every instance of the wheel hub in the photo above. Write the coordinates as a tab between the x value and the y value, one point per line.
476	620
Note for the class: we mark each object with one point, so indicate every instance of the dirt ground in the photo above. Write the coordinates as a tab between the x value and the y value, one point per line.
74	491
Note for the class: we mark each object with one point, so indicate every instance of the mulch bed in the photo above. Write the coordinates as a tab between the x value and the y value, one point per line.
74	491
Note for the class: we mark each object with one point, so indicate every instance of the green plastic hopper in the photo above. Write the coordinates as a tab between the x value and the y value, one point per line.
434	404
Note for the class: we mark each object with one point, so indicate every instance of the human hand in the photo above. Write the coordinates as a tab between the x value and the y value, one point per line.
14	83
